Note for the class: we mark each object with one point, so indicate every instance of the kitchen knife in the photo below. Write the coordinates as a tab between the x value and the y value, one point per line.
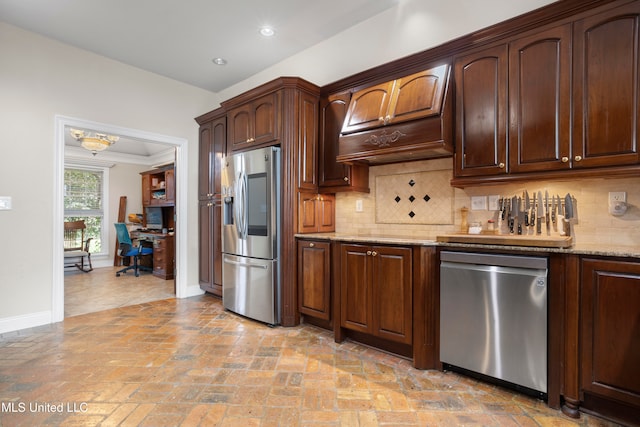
553	211
527	206
547	219
513	207
561	229
520	212
532	220
568	213
503	207
539	214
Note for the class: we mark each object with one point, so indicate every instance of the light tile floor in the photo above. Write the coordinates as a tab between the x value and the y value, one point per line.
189	362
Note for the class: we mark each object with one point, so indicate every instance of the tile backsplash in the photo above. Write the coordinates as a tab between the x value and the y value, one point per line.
382	214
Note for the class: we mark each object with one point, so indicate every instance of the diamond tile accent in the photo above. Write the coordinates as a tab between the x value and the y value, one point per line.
433	184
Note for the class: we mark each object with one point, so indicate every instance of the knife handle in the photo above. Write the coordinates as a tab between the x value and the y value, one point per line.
532	222
526	218
511	224
539	226
519	228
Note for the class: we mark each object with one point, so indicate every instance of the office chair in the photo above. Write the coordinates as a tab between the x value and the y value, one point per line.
126	248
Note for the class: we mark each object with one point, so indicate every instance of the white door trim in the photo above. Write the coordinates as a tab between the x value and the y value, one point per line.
181	210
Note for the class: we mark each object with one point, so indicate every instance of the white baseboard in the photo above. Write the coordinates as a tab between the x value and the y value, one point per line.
11	324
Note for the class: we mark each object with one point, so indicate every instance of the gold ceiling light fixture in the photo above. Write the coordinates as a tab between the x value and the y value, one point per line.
97	142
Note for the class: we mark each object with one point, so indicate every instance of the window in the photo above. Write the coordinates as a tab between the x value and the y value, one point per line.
85	199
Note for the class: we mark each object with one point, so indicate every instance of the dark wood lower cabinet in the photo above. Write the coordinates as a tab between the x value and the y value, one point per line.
376	291
210	247
314	279
610	338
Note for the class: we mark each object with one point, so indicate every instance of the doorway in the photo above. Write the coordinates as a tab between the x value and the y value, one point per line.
62	124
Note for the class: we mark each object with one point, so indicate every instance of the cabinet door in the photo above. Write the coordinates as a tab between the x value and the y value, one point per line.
170	187
481	113
307	219
239	126
205	162
418	95
326	213
146	190
539	101
368	108
335	176
392	293
606	55
610	331
266	126
355	288
308	143
210	247
314	285
211	149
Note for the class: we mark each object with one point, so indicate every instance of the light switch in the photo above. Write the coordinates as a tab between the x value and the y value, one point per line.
479	203
5	203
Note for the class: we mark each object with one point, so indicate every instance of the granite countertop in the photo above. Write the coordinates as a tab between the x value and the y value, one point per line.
578	249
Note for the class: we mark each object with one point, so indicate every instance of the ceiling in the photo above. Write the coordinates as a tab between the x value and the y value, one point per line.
179	39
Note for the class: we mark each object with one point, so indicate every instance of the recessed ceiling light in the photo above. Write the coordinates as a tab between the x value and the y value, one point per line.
219	61
267	31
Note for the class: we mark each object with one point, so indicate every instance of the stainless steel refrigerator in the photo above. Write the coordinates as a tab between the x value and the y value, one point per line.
250	234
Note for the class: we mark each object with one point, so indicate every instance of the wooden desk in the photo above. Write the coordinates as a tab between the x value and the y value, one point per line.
163	251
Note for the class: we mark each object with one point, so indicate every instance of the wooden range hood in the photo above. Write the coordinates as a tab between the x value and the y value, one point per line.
405	119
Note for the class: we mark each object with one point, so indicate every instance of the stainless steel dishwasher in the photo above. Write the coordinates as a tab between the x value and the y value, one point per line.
493	316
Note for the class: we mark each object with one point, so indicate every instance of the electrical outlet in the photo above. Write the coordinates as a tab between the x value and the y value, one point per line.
479	203
359	205
5	203
617	196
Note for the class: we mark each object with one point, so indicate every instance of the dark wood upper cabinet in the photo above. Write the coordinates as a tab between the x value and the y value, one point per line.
606	54
412	97
540	101
335	176
481	112
254	124
408	118
211	149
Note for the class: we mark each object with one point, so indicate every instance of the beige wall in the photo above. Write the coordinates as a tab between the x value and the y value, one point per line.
39	79
594	224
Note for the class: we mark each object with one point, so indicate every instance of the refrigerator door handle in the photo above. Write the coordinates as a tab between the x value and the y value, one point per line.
244	264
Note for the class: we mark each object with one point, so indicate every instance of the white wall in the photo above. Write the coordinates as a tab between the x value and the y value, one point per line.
39	79
410	27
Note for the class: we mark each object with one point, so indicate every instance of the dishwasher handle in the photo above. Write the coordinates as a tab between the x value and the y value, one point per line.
539	273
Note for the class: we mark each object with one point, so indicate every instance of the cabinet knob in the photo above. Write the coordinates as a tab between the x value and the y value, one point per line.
387	119
368	252
250	140
578	158
565	159
374	253
312	245
501	165
346	179
381	119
